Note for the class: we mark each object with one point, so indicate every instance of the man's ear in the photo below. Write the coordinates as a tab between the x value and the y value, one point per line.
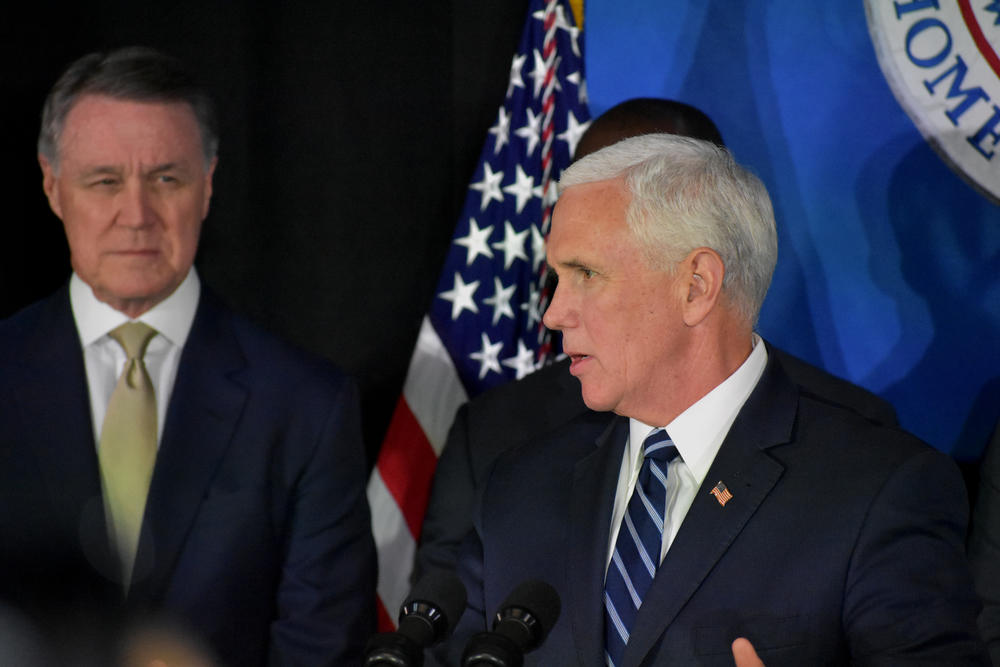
702	272
49	185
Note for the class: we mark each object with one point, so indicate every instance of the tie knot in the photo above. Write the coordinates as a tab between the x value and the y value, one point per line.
659	446
133	337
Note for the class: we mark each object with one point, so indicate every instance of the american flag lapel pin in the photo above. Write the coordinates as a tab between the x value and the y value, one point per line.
722	494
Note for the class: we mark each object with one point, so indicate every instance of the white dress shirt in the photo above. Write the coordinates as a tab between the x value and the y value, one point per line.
697	433
104	358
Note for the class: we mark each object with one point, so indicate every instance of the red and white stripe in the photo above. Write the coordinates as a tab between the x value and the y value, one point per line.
400	484
548	136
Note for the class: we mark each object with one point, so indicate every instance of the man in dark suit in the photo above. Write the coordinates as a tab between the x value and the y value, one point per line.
219	481
984	545
515	413
724	501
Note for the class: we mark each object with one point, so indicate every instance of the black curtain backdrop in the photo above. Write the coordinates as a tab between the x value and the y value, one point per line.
349	134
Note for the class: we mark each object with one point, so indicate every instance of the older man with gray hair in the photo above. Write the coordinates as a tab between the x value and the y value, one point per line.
161	454
727	508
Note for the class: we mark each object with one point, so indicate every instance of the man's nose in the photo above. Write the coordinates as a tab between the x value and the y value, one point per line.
135	209
557	315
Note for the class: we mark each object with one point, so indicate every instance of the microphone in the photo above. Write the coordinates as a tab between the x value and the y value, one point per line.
521	625
427	616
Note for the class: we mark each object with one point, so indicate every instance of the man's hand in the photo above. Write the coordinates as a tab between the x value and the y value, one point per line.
744	655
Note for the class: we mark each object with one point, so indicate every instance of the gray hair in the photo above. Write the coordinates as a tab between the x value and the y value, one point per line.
134	73
687	194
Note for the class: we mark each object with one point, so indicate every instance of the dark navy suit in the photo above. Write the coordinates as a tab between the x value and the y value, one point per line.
517	412
842	543
256	532
984	545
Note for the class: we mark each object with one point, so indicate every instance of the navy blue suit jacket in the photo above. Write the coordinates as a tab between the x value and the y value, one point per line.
518	412
984	545
842	544
256	532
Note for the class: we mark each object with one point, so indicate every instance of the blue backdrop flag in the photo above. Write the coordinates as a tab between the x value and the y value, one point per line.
889	261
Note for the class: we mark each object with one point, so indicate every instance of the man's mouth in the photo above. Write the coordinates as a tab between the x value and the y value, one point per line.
576	361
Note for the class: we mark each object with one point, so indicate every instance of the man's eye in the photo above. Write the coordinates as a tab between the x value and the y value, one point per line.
108	181
167	178
587	273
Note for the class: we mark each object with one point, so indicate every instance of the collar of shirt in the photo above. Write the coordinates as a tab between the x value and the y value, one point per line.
104	359
172	317
698	432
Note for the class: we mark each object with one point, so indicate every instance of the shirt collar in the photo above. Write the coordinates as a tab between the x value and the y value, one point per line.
698	432
172	317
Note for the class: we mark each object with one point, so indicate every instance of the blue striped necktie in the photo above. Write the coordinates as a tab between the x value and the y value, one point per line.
637	551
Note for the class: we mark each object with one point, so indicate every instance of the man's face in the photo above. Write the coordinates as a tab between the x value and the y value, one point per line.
620	320
132	190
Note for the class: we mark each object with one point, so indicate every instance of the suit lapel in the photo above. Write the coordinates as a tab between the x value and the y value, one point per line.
53	382
709	528
205	406
595	478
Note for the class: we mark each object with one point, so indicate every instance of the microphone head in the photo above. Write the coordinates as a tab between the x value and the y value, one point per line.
535	606
427	616
438	598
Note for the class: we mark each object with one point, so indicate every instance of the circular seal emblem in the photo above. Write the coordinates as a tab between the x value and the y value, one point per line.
942	61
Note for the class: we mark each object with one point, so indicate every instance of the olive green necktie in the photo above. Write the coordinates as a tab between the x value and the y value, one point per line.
128	444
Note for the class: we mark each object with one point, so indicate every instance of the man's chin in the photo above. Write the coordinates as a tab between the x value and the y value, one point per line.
595	400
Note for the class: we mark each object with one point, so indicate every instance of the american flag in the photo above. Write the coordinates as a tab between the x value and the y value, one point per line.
722	493
484	325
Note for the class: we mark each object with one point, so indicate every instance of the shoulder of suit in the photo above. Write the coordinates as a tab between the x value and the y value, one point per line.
845	432
20	327
271	353
825	386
